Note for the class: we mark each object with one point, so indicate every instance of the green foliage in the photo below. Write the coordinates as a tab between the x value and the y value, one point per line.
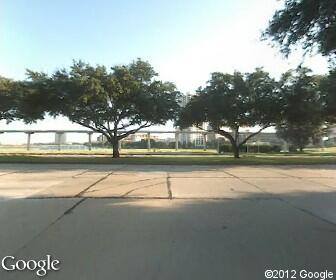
116	103
311	23
302	109
328	91
8	99
234	101
298	135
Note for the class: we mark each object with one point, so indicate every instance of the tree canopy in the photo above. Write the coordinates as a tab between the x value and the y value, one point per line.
116	103
310	23
302	107
232	101
328	92
9	100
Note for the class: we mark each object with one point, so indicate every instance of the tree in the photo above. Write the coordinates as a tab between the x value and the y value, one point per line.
302	109
8	99
299	135
234	101
311	23
328	92
115	103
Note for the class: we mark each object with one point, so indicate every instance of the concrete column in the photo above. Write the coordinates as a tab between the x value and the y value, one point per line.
0	134
204	142
176	141
29	139
322	143
90	140
285	147
59	140
148	141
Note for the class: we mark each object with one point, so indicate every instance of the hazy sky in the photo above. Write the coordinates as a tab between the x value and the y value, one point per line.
185	40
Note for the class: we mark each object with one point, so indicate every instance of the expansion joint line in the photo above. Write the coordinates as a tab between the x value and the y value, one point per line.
80	194
286	202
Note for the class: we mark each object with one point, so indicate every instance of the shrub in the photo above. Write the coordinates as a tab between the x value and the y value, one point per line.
264	148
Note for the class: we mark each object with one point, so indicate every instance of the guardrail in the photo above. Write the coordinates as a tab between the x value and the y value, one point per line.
90	132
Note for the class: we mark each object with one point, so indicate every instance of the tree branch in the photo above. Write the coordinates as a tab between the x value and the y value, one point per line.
253	134
122	136
226	134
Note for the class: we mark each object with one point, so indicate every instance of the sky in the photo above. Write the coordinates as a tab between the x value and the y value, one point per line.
184	40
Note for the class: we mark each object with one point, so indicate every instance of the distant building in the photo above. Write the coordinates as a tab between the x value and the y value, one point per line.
138	137
131	138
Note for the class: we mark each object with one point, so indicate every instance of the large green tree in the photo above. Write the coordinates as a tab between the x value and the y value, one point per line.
230	102
310	23
328	92
302	107
115	103
9	95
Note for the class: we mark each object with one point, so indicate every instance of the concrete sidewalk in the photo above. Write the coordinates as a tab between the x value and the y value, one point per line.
168	222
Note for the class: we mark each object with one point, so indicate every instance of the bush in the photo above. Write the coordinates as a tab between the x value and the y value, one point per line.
264	148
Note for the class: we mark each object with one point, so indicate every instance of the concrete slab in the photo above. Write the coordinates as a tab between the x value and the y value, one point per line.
288	185
69	187
177	239
130	185
330	182
253	172
51	183
200	174
19	185
211	188
309	172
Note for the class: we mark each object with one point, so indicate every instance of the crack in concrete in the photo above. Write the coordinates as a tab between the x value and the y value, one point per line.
123	184
81	173
95	183
9	173
139	188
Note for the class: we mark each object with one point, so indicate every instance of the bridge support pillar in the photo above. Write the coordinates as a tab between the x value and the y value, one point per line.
29	139
204	142
90	140
148	141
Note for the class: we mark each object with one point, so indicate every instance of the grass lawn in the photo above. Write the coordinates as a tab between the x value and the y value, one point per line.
166	156
170	159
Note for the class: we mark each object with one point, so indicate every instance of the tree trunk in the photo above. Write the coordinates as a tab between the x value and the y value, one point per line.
115	145
235	149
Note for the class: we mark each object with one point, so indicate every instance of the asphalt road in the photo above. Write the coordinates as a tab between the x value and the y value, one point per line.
168	222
